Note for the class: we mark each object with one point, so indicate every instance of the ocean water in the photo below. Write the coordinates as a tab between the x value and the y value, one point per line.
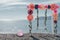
22	25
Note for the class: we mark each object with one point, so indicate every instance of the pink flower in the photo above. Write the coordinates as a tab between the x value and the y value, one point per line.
20	33
55	11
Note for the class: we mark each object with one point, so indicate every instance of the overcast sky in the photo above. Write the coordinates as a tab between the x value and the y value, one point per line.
17	9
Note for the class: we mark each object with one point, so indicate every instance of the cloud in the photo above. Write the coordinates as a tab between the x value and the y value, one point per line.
7	4
6	1
14	2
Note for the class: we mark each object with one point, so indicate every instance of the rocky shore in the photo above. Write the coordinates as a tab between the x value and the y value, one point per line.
35	36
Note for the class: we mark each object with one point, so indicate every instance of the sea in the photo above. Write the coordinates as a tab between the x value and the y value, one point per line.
13	27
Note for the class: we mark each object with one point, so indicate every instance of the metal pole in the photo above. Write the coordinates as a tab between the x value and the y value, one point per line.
45	16
30	26
37	19
55	28
45	19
